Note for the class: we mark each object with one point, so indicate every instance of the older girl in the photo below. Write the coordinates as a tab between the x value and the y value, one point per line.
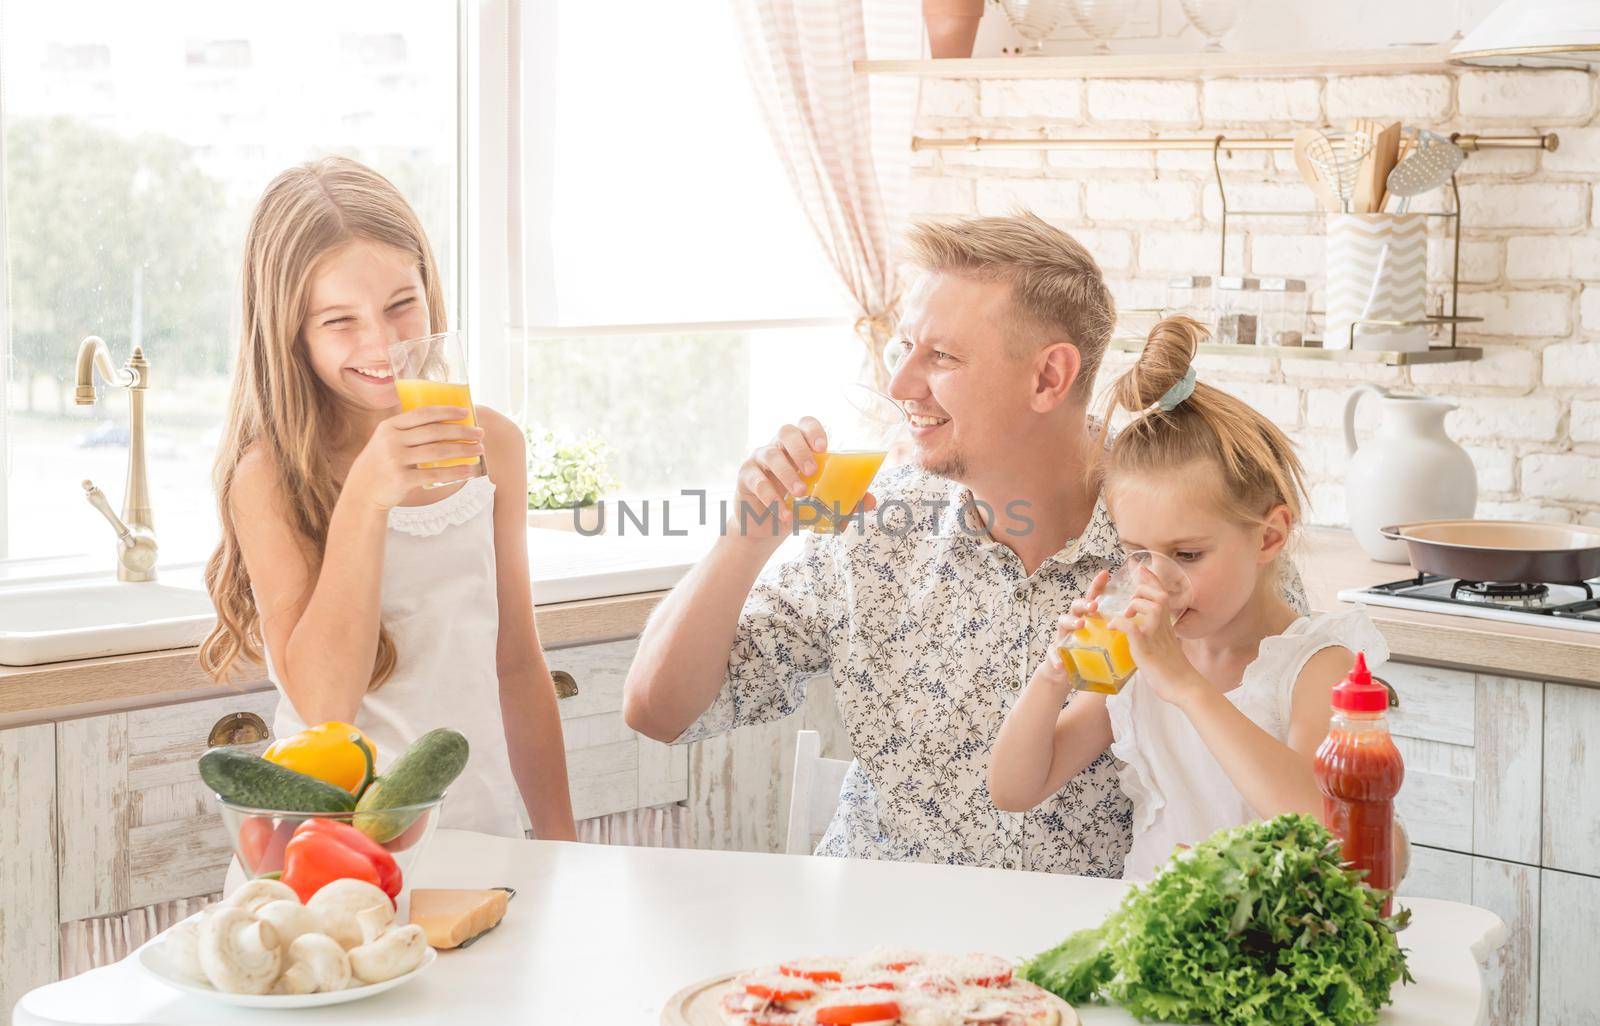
379	593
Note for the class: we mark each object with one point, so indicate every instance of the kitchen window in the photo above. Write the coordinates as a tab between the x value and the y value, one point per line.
675	301
136	143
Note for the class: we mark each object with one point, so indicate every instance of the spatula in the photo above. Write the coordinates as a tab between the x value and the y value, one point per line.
1372	181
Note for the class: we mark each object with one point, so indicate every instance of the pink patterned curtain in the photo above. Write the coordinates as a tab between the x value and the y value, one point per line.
843	136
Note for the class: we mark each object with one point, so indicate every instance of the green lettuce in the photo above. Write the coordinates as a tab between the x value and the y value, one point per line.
1258	925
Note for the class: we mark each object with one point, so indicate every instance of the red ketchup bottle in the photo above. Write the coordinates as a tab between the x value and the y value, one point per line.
1359	771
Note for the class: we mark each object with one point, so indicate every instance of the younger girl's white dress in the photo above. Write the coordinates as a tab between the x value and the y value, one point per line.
1180	793
441	608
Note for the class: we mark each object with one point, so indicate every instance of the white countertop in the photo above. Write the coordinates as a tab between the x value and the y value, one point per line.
605	935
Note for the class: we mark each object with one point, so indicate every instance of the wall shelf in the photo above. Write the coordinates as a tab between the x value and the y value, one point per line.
1386	358
1172	65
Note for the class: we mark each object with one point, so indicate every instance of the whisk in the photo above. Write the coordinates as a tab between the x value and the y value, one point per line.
1337	156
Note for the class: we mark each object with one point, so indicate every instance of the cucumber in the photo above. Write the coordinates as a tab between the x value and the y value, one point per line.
249	780
420	775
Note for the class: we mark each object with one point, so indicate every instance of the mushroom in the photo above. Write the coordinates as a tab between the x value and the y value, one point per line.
239	953
291	919
316	963
394	953
181	949
255	893
338	904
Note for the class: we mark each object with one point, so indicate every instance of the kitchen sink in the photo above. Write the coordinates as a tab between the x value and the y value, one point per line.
52	621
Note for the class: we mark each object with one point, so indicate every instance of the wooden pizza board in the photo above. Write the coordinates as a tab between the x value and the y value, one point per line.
699	1005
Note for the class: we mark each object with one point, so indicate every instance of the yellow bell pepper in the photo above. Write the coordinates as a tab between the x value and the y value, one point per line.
330	752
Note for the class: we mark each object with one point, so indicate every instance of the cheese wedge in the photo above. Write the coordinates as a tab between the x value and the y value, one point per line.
450	918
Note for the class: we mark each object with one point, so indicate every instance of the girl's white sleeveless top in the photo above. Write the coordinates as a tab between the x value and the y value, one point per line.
440	606
1180	793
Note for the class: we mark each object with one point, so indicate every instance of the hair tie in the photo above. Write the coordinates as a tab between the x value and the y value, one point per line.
1175	395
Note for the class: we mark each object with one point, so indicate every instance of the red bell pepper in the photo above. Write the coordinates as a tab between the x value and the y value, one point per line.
324	850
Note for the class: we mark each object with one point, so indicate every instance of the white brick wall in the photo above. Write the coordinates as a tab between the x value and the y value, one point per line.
1529	412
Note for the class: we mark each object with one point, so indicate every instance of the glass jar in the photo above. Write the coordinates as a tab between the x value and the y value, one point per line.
1238	310
1285	304
1190	295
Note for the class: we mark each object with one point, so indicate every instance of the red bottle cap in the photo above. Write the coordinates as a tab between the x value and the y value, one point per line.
1357	692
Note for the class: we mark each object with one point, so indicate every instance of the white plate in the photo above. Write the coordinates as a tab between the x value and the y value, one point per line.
151	961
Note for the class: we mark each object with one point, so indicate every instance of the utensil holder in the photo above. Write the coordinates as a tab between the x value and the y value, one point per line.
1377	282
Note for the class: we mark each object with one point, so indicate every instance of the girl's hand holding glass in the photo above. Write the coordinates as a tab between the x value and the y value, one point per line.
1098	651
392	465
1147	622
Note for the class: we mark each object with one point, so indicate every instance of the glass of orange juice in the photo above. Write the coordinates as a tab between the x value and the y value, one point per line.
858	443
1096	655
432	371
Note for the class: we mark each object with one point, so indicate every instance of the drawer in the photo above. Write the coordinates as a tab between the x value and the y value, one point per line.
609	767
136	825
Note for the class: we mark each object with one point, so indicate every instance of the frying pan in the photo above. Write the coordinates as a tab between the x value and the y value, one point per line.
1508	551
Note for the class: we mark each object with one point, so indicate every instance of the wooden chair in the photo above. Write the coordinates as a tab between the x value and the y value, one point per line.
814	793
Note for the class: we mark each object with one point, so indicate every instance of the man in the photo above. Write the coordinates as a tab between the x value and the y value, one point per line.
931	611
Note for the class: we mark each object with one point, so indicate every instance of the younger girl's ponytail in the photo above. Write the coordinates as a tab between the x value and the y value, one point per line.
1177	421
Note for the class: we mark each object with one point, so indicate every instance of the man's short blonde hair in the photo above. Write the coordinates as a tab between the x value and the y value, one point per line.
1056	287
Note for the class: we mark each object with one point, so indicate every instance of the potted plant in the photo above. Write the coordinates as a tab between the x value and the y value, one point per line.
567	476
952	26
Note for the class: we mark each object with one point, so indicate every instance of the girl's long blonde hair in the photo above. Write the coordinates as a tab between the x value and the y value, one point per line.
279	407
1256	463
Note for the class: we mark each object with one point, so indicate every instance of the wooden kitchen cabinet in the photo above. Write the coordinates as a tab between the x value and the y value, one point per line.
1471	744
1569	985
1502	797
610	768
739	782
137	826
1512	892
29	955
1572	783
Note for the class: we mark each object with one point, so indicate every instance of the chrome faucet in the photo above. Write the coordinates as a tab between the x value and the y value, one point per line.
136	532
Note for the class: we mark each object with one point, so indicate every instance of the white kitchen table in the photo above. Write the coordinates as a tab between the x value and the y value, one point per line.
605	935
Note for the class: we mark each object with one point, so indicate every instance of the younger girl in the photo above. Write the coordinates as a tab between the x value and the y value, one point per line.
375	600
1221	720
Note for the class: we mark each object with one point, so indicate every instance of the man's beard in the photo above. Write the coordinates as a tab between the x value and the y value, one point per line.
950	465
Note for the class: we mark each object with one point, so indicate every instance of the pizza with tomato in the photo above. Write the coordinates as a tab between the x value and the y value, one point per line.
888	988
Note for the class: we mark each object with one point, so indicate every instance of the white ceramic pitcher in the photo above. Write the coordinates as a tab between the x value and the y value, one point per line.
1411	471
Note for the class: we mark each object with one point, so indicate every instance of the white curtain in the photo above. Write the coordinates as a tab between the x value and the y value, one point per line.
843	137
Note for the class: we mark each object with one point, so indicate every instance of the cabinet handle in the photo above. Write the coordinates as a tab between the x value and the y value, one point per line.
237	728
1394	696
566	685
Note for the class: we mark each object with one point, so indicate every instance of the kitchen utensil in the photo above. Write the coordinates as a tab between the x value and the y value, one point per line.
1507	551
151	960
1034	20
1308	171
1100	19
1431	163
1337	156
1412	471
1372	183
1213	18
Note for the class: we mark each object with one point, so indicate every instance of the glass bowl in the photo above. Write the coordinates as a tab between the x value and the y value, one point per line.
260	835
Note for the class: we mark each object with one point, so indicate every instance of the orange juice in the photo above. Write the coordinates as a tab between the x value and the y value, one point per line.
841	480
1101	656
417	392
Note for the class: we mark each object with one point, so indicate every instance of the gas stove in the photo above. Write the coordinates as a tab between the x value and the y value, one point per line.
1573	607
